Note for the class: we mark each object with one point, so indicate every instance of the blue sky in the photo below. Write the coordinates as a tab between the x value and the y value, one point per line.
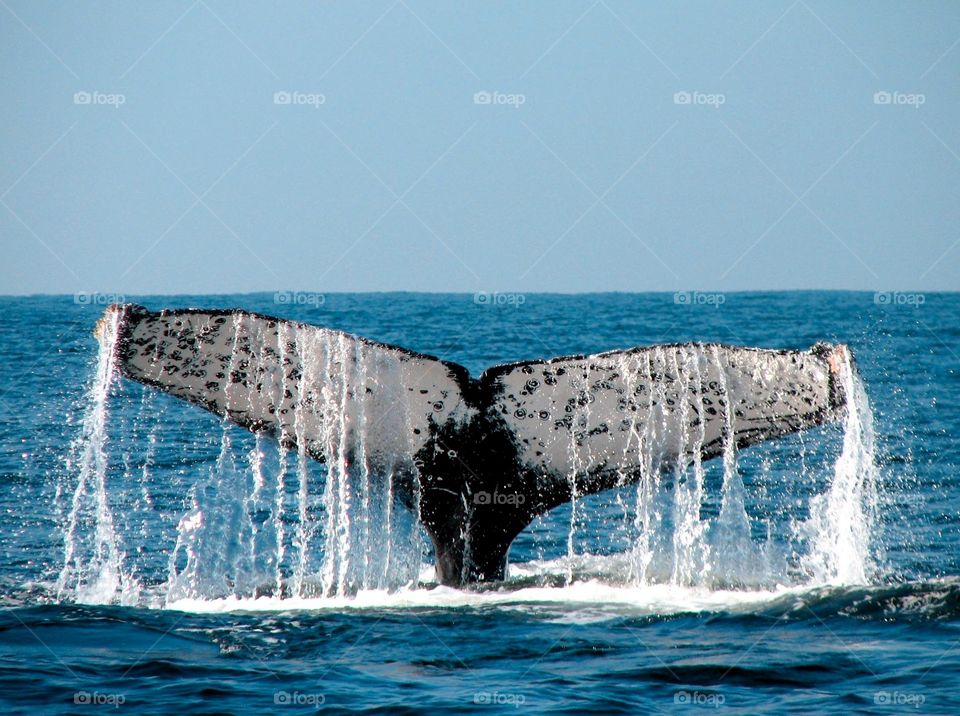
198	147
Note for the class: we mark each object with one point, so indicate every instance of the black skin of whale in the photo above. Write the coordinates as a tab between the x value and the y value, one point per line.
461	464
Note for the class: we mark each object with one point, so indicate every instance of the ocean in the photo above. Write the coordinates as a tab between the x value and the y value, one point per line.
154	559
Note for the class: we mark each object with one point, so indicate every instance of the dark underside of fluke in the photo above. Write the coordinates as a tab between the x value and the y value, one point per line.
483	456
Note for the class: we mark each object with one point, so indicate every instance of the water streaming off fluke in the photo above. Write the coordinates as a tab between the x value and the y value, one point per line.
253	517
93	569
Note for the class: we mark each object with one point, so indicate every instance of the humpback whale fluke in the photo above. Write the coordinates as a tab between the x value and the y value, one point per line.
478	458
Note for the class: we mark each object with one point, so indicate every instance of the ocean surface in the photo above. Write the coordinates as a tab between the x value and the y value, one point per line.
155	560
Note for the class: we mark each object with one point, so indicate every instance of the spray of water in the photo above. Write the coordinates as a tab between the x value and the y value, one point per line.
263	521
688	543
343	529
734	551
677	543
841	521
93	561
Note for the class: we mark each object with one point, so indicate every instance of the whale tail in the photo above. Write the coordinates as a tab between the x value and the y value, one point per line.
482	456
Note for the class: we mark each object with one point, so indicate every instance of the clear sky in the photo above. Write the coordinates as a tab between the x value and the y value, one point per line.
619	146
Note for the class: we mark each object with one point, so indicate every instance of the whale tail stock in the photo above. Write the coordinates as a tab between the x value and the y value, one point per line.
478	458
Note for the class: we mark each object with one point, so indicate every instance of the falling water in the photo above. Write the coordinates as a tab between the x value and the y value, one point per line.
341	528
677	542
734	552
254	522
690	549
262	521
841	520
647	517
212	555
579	460
93	561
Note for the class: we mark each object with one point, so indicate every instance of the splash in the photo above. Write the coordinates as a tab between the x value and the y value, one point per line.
93	569
734	551
841	522
691	552
688	535
265	524
261	522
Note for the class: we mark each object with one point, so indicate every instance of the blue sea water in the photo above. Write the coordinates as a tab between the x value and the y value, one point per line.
565	633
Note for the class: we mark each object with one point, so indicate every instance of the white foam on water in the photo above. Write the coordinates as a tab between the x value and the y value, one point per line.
598	601
580	601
